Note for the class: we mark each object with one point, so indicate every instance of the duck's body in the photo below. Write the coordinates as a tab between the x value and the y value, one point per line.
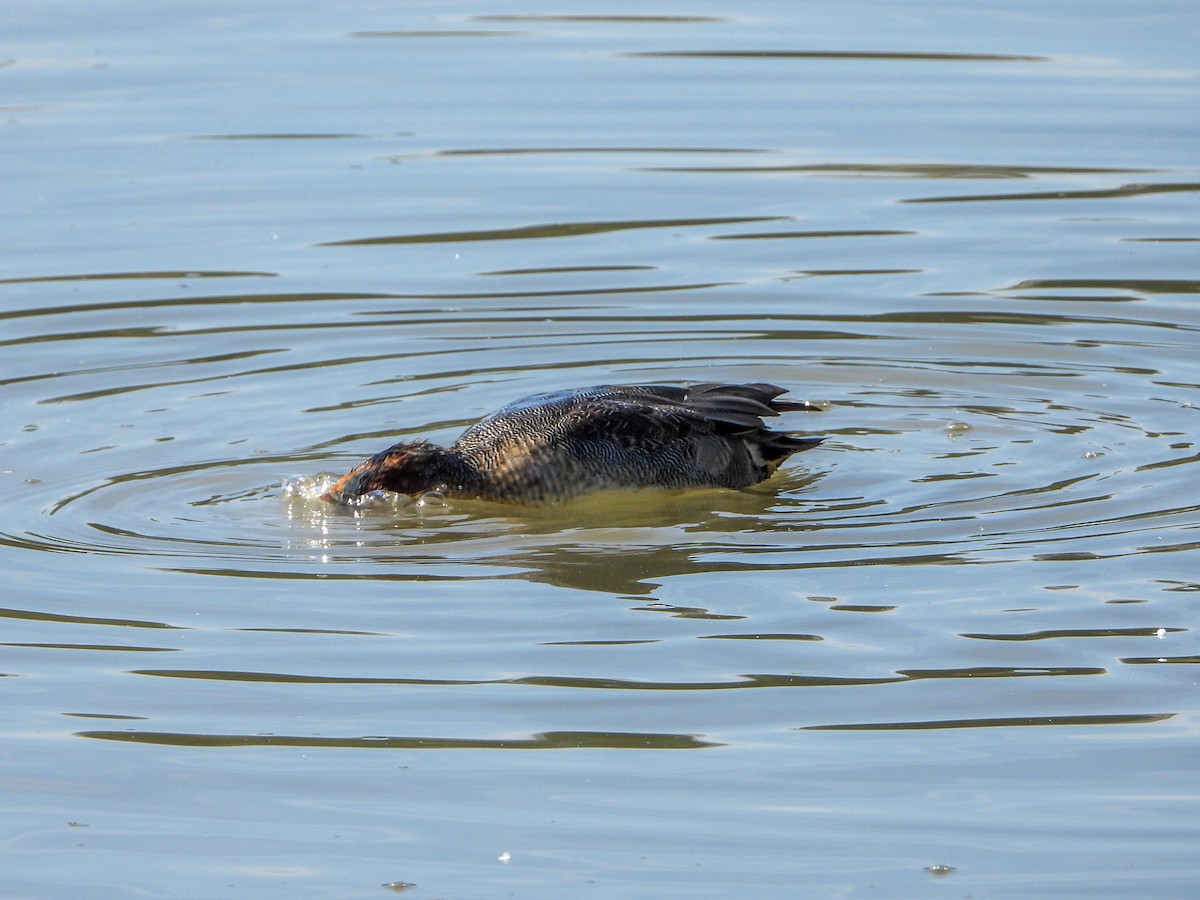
559	445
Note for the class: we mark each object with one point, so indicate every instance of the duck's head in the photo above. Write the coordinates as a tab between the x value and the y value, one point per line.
410	467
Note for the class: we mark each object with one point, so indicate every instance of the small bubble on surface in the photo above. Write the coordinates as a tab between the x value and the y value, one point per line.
432	498
940	871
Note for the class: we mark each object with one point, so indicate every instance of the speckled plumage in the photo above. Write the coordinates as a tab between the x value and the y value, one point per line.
559	445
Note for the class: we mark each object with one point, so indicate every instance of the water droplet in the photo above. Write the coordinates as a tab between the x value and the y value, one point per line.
292	486
307	487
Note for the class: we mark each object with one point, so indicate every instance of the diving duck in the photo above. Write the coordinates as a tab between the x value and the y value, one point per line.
562	444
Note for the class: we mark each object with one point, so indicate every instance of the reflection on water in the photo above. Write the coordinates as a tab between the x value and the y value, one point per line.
124	276
556	230
1125	190
230	271
889	55
1018	721
555	740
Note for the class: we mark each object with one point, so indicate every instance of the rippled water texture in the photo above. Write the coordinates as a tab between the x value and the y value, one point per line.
953	648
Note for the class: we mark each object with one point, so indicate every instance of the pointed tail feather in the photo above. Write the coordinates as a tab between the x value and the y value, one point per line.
796	406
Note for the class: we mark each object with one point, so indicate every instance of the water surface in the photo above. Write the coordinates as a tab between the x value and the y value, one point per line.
950	650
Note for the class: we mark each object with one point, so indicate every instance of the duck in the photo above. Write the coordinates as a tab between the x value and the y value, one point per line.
555	446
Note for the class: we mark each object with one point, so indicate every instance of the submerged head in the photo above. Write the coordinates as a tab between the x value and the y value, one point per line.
410	467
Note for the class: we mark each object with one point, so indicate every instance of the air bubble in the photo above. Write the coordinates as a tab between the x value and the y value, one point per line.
380	500
307	487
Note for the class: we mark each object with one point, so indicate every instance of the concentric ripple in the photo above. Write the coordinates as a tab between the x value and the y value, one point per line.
1029	422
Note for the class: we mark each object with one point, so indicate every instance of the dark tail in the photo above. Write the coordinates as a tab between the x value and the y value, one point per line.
796	406
777	447
743	404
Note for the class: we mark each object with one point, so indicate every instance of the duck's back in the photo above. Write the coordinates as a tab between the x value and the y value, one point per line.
557	445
